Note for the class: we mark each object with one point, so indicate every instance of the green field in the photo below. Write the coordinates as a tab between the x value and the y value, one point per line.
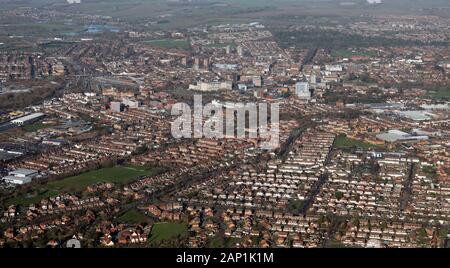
440	93
38	29
167	43
133	216
35	127
56	44
117	174
347	53
183	14
167	230
344	141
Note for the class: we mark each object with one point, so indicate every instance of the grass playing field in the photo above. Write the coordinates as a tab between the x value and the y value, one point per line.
347	53
344	141
117	174
167	230
133	216
35	127
440	93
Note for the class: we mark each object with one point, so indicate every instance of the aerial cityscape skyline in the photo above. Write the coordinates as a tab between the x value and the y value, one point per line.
224	124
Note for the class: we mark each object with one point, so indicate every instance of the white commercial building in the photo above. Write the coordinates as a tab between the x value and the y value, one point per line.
394	135
20	176
333	68
212	86
28	119
131	103
16	180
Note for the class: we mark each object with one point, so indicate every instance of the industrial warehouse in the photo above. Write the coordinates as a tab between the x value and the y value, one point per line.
28	119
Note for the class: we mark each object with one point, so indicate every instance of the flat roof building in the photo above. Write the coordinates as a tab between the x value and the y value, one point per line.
397	135
16	180
22	172
28	119
20	176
